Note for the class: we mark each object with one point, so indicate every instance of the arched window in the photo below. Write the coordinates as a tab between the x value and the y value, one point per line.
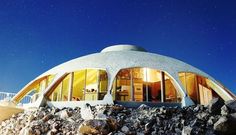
200	89
86	84
144	85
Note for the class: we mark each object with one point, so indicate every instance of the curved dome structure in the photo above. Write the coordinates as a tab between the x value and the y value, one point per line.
123	74
123	48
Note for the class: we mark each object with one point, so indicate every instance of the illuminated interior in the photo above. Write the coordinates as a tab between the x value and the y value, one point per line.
200	89
87	84
144	84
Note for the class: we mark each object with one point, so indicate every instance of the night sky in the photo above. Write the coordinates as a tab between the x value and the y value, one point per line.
36	35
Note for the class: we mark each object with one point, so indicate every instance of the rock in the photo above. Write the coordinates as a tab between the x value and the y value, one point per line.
210	132
210	122
158	120
50	133
139	133
64	114
31	118
149	125
119	133
161	132
136	125
215	105
221	126
178	131
84	129
125	129
70	120
195	119
47	117
4	123
54	131
202	116
162	110
99	114
197	108
143	106
25	131
37	132
40	114
55	110
231	104
69	133
112	124
94	127
186	130
86	112
154	132
224	111
193	123
56	125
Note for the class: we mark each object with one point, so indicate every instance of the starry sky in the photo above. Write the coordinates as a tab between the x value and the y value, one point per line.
36	35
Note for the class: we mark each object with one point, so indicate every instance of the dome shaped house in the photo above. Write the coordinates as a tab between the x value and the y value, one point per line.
123	74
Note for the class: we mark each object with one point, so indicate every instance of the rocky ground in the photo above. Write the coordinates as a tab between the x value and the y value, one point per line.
216	118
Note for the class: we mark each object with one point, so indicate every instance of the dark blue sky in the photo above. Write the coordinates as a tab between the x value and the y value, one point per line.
36	35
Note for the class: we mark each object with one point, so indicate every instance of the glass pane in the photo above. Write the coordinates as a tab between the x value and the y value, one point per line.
88	84
92	80
138	83
183	80
154	85
171	93
65	88
103	83
78	85
60	93
123	85
146	85
91	84
43	85
199	89
56	95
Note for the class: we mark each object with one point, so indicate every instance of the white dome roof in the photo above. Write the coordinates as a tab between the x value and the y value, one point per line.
123	48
